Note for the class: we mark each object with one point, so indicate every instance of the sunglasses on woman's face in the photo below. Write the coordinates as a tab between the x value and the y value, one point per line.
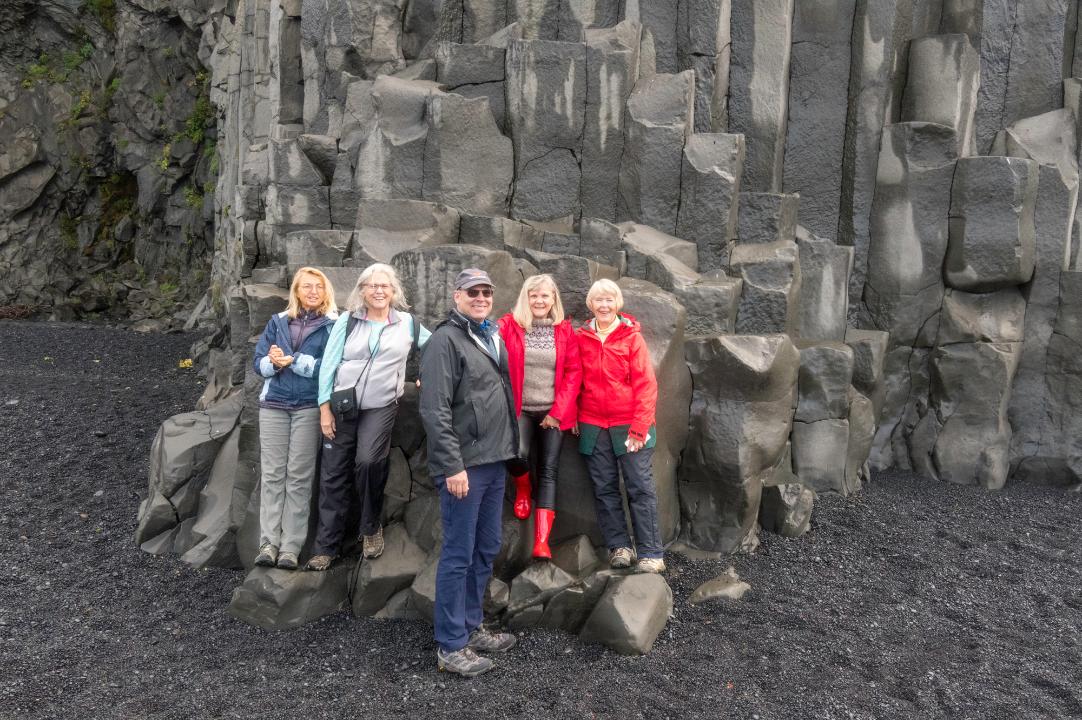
474	292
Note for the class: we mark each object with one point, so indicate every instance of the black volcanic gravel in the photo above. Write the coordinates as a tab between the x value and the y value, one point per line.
913	599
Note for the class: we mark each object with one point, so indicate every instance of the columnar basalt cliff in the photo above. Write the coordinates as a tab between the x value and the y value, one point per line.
848	228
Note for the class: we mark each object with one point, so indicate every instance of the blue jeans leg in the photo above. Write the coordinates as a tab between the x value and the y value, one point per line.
642	501
608	502
471	540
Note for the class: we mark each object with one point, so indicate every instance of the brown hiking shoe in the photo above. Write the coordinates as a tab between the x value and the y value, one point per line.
372	545
464	662
319	563
268	555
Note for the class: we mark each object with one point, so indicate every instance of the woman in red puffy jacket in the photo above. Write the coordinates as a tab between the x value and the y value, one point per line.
616	428
543	358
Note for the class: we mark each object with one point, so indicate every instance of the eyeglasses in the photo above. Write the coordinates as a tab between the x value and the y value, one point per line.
474	292
378	286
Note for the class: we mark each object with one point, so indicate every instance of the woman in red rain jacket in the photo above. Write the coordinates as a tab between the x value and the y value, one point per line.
543	358
616	428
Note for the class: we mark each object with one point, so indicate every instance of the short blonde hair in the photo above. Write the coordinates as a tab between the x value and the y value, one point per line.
398	296
605	286
328	306
524	315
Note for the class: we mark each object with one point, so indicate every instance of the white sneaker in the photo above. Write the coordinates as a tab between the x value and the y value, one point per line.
650	565
621	558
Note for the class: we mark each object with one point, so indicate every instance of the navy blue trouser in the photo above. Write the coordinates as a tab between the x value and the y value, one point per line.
604	467
471	541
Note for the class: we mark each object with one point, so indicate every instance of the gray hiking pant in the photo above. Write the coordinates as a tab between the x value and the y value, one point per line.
288	443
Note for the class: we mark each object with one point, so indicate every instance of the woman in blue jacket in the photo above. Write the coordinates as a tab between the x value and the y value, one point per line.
288	355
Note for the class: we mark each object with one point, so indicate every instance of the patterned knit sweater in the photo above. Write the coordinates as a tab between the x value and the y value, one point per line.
539	381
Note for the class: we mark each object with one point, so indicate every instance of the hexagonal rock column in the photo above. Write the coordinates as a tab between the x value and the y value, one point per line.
631	614
741	413
710	195
1064	379
546	102
612	68
904	286
660	116
941	86
474	71
970	390
428	275
767	217
771	275
759	86
824	288
992	235
703	44
468	164
818	105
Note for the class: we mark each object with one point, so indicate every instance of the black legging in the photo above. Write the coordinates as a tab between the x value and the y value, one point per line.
547	459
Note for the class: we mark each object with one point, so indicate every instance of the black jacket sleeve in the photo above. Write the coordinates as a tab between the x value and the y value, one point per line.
440	370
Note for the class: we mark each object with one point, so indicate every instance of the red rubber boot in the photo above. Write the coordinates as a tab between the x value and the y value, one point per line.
542	526
522	505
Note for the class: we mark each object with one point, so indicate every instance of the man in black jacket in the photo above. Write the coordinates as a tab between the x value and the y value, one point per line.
469	418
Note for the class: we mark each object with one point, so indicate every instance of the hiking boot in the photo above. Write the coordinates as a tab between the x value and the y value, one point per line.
287	561
464	662
650	565
491	642
372	545
268	555
319	563
621	558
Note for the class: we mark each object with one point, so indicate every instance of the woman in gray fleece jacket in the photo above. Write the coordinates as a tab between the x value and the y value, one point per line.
367	352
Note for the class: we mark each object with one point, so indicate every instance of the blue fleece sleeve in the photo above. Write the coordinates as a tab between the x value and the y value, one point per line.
304	365
332	358
261	361
422	335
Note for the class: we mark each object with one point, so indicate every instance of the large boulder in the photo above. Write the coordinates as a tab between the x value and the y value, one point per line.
282	599
771	290
380	578
787	509
630	614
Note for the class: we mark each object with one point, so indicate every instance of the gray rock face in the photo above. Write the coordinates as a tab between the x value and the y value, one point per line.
767	217
704	45
741	412
388	227
468	164
710	195
630	614
819	454
992	236
428	276
390	162
762	36
660	117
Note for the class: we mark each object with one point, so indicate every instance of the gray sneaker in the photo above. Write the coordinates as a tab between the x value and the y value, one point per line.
491	642
372	545
621	558
464	662
650	565
268	555
287	561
